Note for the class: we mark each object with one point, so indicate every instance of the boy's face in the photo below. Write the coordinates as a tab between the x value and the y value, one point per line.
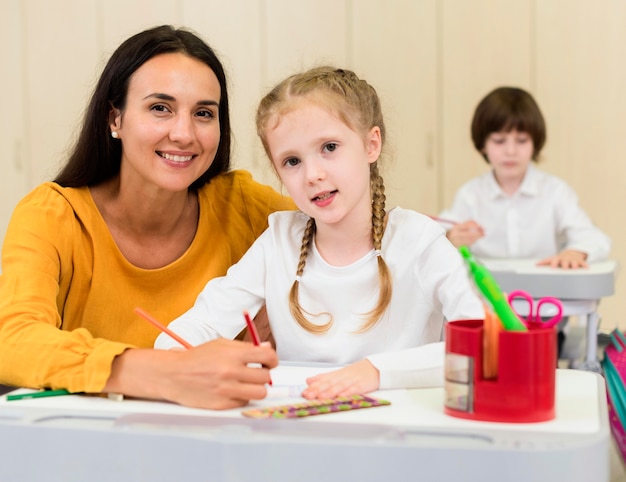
509	153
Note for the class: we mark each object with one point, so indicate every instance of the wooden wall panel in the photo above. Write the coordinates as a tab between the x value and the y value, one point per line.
15	169
394	47
581	74
484	44
60	43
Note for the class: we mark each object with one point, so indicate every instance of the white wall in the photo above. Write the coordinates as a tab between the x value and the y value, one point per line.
431	61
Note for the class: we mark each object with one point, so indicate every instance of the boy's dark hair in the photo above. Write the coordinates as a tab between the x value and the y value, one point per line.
506	109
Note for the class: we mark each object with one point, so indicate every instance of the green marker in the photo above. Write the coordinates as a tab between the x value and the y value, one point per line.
41	394
492	292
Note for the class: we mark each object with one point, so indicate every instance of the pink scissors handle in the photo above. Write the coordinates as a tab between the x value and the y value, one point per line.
554	320
534	317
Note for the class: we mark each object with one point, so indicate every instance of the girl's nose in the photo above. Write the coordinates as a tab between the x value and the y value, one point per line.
315	171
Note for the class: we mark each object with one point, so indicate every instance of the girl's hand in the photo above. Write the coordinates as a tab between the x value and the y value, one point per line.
465	234
360	377
567	259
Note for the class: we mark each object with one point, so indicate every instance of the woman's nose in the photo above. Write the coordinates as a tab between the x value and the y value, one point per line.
182	130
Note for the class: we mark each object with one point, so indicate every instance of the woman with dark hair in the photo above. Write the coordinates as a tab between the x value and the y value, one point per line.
143	214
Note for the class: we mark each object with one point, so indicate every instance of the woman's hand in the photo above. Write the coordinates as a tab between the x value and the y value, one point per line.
215	375
360	377
567	259
465	234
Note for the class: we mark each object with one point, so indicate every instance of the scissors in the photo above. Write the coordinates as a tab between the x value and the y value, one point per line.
534	317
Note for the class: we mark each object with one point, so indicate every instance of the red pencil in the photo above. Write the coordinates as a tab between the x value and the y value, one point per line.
253	333
162	327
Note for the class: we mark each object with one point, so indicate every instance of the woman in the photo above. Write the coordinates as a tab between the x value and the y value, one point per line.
144	213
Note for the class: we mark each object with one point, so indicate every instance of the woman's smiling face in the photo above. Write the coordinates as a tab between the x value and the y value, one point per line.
169	127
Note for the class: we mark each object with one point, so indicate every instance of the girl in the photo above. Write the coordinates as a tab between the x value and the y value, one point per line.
345	282
515	210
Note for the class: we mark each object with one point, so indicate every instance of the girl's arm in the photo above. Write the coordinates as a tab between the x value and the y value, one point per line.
417	367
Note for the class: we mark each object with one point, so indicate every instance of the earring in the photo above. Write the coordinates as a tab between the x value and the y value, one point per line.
114	134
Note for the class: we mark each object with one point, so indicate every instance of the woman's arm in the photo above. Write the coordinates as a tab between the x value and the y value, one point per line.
215	375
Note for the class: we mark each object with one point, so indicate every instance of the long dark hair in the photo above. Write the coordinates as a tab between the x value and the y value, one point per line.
96	156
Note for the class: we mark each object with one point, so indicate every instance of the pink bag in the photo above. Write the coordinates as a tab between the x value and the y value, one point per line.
614	365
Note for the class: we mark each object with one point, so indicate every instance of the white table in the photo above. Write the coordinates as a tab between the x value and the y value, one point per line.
580	291
78	438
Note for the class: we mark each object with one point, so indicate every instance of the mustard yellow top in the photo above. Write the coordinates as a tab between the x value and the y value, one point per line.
67	293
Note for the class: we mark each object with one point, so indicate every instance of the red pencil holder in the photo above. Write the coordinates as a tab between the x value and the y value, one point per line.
523	390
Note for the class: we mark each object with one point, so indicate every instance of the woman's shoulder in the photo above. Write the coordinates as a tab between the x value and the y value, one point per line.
51	196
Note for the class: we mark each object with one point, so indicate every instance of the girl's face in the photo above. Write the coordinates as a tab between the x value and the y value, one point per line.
509	153
324	165
169	128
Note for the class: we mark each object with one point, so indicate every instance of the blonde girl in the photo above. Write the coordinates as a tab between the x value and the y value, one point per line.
345	281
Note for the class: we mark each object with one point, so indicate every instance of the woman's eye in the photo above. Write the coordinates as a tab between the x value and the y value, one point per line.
159	108
331	146
209	114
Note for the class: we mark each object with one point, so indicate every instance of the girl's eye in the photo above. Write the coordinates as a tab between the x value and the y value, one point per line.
331	146
291	161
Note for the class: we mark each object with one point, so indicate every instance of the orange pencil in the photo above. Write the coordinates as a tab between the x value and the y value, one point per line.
253	333
162	327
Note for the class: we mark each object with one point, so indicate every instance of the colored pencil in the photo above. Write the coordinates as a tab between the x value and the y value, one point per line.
253	332
162	327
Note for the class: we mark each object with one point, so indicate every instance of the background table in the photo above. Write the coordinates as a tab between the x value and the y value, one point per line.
580	291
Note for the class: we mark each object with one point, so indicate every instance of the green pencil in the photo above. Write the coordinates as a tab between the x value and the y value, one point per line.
41	394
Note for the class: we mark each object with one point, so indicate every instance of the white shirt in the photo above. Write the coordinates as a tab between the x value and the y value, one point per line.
541	219
430	282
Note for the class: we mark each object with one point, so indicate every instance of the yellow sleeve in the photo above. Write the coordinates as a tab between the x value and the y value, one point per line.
36	262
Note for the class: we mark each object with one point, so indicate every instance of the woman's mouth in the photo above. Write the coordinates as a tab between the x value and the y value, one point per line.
174	157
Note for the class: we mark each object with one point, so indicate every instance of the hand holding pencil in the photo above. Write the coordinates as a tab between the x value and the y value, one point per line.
465	234
221	362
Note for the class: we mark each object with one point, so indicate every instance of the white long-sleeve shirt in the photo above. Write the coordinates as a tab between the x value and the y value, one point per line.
430	282
541	219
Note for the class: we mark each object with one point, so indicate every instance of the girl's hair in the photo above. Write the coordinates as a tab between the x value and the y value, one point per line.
96	156
355	103
507	109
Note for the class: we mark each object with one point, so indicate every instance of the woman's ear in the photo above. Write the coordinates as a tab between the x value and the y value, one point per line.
115	120
374	144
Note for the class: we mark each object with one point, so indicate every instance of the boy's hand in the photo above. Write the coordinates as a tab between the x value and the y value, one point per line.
567	259
465	234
